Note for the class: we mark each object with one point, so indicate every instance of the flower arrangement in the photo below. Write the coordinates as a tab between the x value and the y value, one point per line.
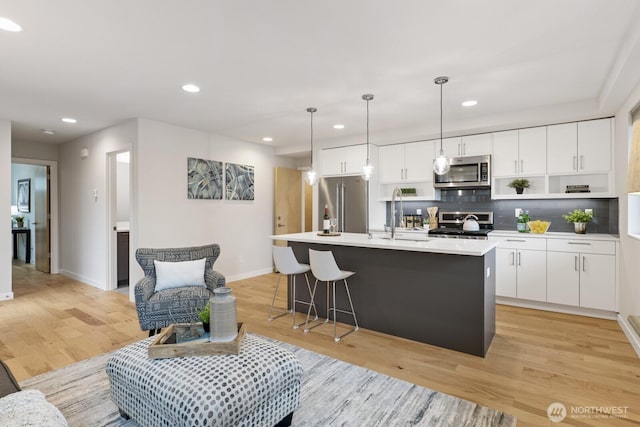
578	215
519	183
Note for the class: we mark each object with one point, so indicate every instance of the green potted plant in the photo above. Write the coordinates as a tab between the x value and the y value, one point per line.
579	218
19	220
204	314
519	184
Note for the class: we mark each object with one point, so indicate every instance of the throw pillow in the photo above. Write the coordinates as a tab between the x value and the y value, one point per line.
177	274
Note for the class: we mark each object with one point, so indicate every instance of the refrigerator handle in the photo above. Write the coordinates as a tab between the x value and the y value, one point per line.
342	208
337	205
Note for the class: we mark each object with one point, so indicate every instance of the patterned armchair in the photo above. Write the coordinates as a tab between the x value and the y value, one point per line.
157	310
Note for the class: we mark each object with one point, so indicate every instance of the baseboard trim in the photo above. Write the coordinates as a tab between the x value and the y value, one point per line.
6	296
558	308
634	340
248	275
83	279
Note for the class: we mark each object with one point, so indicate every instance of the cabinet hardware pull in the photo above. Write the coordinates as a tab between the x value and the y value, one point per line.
521	166
515	240
583	262
581	162
575	162
575	262
513	261
406	174
580	243
515	166
464	148
519	259
459	149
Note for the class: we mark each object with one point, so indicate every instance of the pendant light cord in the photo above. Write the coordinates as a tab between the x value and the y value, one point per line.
367	131
441	151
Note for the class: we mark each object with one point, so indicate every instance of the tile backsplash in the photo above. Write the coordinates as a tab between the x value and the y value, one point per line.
605	218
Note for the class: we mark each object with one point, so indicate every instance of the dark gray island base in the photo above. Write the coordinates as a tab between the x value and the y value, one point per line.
441	299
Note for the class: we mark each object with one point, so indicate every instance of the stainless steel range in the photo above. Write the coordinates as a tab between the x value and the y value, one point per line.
451	225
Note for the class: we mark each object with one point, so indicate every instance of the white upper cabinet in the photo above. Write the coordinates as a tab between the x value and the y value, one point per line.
452	147
532	149
504	161
343	161
520	152
594	146
411	162
476	145
562	143
582	147
472	145
391	163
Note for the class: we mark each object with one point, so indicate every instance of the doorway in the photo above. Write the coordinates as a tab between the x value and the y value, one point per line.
119	214
38	205
288	201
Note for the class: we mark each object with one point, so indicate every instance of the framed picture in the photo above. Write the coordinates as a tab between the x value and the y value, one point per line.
204	179
239	182
24	195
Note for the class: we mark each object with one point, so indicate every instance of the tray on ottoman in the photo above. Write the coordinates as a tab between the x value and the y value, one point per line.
185	339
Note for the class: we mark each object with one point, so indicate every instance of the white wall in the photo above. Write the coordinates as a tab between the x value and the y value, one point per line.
166	218
83	219
629	297
35	150
5	201
22	171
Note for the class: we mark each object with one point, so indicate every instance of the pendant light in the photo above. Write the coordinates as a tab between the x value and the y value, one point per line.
311	177
441	163
367	168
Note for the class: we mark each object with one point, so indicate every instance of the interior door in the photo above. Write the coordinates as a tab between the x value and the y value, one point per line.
42	212
288	201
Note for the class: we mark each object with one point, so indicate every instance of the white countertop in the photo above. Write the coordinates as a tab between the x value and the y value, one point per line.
435	245
554	235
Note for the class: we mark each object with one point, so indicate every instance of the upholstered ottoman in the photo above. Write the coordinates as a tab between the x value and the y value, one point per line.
258	387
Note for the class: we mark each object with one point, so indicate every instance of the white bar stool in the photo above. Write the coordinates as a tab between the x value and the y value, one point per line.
325	269
287	264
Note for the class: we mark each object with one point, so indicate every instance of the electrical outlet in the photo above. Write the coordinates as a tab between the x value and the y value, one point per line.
590	211
418	211
518	211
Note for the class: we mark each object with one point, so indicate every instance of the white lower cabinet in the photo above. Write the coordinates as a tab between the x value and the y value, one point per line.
582	273
521	269
573	272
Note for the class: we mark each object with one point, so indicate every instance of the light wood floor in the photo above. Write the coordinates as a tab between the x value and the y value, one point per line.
536	357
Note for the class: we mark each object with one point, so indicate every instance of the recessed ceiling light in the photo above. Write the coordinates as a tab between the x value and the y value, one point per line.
267	139
47	131
8	25
190	88
338	126
469	103
69	120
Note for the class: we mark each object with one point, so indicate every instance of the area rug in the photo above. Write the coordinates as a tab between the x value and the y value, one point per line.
333	393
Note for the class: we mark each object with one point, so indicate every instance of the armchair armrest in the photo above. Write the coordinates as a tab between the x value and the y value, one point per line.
144	289
214	279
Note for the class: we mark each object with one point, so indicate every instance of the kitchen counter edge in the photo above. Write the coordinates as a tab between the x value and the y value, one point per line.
469	247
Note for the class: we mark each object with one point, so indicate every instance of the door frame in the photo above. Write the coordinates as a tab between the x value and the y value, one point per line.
53	196
112	215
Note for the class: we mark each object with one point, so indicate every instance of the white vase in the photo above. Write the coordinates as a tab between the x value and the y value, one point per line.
223	321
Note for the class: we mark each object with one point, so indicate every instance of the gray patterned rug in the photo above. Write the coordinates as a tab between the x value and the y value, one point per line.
334	393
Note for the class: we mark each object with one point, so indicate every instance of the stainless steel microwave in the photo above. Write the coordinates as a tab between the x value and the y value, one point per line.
466	172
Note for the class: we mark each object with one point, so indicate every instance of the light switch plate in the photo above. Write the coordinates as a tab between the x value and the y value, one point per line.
589	211
518	211
418	211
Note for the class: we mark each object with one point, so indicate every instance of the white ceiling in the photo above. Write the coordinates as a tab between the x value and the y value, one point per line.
260	64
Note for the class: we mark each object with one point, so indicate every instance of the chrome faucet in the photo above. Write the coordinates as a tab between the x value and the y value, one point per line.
396	191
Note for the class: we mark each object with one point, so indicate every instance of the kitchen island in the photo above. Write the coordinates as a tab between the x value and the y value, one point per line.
439	291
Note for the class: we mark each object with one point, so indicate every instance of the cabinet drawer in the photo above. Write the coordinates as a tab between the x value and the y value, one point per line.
537	244
583	246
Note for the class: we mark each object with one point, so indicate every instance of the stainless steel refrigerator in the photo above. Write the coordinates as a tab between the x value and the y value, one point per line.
346	198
